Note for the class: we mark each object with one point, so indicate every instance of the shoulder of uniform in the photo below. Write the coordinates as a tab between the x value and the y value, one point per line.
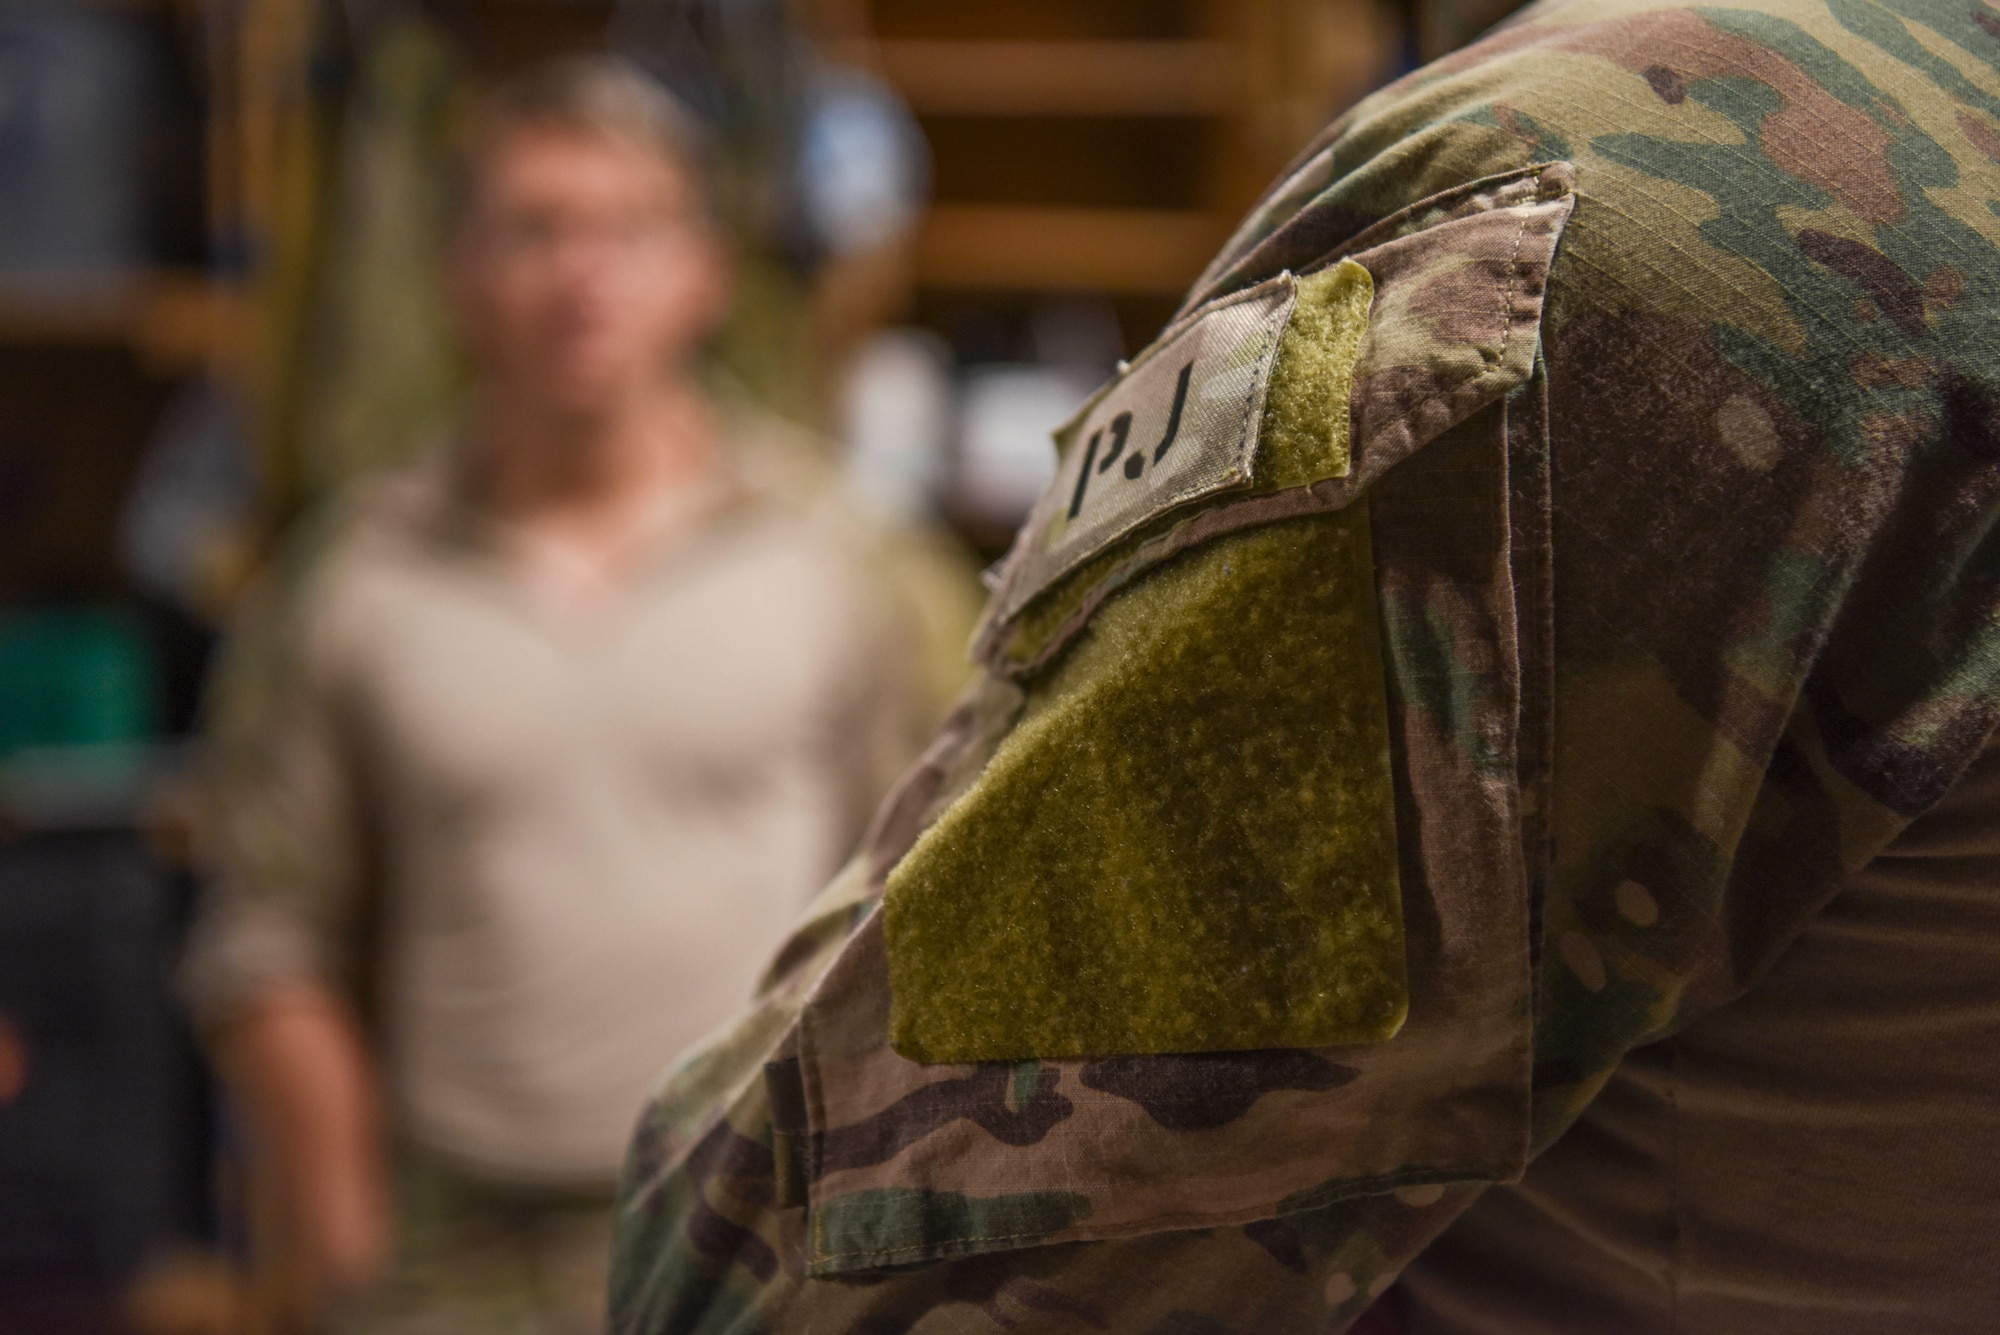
777	464
788	478
357	526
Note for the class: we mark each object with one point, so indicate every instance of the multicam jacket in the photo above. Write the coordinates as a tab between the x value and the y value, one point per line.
1550	552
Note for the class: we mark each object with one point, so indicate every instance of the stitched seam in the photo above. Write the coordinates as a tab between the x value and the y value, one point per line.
1513	281
1376	1185
997	658
1183	495
1507	320
1180	324
1160	548
1381	232
1507	323
1171	334
1150	551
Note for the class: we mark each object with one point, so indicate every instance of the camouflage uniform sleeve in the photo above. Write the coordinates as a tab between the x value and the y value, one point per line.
284	844
1135	1009
1678	550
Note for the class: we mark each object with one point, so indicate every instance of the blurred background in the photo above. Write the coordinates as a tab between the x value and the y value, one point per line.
219	223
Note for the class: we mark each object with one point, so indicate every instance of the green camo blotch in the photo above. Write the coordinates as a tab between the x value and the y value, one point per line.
890	1226
1302	439
1188	842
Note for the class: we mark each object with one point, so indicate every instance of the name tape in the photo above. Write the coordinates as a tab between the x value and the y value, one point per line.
1179	424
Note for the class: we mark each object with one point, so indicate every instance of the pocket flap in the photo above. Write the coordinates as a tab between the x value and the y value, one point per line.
1334	395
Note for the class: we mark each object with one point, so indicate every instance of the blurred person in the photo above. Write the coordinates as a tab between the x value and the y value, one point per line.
527	754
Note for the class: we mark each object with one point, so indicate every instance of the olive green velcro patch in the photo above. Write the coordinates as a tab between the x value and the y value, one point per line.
1303	437
1188	842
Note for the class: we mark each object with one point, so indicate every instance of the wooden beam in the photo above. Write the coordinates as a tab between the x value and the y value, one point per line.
1125	251
174	320
1141	78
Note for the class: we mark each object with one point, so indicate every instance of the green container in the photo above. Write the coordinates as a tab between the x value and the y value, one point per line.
79	676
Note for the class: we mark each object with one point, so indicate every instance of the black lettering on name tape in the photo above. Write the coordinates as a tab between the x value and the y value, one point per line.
1173	416
1083	474
1121	427
1218	363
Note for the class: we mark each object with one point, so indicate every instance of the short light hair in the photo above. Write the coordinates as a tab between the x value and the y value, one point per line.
605	96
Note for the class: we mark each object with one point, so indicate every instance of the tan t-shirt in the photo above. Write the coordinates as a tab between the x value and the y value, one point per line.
546	852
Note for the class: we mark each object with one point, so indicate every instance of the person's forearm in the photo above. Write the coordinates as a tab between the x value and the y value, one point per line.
302	1070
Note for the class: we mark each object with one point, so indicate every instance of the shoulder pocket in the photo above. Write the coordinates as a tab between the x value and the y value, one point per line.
1234	921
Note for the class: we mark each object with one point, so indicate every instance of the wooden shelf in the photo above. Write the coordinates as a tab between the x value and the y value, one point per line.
1014	248
191	8
1144	78
173	320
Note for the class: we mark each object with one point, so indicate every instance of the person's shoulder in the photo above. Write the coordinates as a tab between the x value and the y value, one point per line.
1774	177
777	464
396	513
788	498
323	565
1765	104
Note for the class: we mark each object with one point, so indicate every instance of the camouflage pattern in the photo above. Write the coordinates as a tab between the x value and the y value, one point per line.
1678	422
